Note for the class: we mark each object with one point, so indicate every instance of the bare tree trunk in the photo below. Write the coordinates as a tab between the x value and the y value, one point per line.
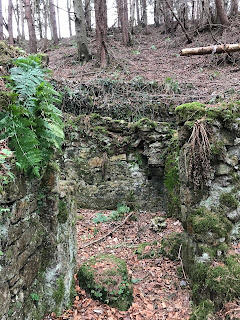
144	14
38	18
81	34
101	32
22	19
69	16
45	8
123	18
17	18
10	24
132	14
234	7
1	21
31	28
222	48
221	13
59	25
88	15
53	21
138	12
157	13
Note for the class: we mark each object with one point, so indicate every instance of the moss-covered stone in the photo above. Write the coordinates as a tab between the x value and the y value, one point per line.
8	52
58	294
106	278
229	200
208	226
170	245
62	211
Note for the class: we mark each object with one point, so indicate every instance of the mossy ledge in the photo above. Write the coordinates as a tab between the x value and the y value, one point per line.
106	278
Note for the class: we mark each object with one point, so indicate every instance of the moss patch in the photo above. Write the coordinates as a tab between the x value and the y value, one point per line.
58	294
203	310
106	278
229	200
62	211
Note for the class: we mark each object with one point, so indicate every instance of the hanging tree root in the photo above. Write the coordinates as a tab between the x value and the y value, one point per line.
109	233
199	166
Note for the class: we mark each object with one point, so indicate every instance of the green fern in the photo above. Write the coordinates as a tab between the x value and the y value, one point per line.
32	122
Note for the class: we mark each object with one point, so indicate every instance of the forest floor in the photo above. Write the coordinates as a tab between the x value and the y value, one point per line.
155	57
158	293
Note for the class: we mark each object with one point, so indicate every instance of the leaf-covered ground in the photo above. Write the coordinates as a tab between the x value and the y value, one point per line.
159	293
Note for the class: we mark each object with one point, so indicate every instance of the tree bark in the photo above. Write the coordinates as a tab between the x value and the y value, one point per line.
221	13
223	48
234	7
157	13
53	21
22	19
88	15
10	24
31	28
101	32
59	25
69	17
138	12
144	14
1	21
81	34
45	8
123	19
132	14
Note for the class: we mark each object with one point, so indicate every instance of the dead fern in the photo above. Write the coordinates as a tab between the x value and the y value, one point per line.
199	166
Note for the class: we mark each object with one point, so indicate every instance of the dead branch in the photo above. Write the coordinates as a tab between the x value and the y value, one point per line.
222	48
110	232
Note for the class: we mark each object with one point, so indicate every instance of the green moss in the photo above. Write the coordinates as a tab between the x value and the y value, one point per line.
203	310
201	221
190	111
106	278
141	248
62	211
95	116
217	148
145	123
229	200
100	129
170	245
58	294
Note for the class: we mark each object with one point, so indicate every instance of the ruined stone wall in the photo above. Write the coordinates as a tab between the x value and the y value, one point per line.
37	246
115	161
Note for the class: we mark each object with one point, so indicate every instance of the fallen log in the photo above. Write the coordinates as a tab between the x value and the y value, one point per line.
222	48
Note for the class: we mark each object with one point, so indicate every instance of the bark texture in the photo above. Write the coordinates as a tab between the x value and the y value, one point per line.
1	21
10	23
31	28
101	32
81	34
222	15
211	49
53	21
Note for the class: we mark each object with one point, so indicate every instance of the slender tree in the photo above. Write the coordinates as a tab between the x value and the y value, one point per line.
81	34
144	13
69	17
17	17
1	21
234	7
53	21
101	32
10	24
22	14
88	15
59	25
132	14
31	28
123	19
221	13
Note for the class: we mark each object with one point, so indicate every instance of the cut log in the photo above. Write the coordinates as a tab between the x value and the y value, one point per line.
222	48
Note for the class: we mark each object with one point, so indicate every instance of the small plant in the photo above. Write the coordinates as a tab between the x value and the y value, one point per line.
34	296
122	209
171	86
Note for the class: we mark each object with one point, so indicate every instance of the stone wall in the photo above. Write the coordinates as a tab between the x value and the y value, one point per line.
115	161
37	246
210	199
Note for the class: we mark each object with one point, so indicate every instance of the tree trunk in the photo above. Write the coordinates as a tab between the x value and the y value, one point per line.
31	28
132	14
59	25
45	8
138	12
223	48
10	24
144	14
81	34
157	13
39	22
221	13
22	19
17	18
234	7
53	21
123	12
101	32
1	21
69	17
88	15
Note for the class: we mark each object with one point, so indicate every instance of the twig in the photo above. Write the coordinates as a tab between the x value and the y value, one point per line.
179	257
110	232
